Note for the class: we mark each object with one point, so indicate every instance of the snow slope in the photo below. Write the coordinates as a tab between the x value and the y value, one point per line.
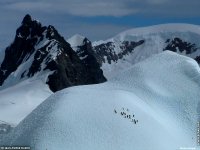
76	40
17	101
161	92
155	41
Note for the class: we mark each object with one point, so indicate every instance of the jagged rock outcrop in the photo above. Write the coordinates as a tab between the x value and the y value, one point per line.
105	52
178	45
37	50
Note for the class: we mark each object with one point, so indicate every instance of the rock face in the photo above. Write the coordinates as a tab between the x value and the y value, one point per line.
106	51
113	51
176	44
180	46
89	58
39	49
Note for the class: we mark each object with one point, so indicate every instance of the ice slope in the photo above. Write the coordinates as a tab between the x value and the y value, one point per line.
155	38
17	101
161	92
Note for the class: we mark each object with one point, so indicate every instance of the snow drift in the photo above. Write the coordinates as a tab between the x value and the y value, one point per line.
151	106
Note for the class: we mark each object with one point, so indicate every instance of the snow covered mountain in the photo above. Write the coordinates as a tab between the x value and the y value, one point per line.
154	105
132	46
40	51
37	63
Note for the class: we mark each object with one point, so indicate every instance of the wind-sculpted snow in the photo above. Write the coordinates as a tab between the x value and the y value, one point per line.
151	106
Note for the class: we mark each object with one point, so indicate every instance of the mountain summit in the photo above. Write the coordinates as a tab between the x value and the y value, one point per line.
40	51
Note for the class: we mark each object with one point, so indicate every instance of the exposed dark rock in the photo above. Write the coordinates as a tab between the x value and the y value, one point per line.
177	44
21	48
198	59
106	50
89	58
55	55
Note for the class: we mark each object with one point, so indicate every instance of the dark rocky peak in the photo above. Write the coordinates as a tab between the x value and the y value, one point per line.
88	57
27	20
29	28
86	41
22	47
51	32
87	46
83	46
37	49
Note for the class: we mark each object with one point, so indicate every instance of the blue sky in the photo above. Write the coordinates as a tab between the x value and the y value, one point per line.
93	18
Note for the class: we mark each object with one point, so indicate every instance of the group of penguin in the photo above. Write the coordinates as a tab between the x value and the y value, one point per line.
124	113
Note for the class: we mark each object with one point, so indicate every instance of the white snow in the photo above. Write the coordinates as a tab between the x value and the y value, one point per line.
76	40
162	92
16	102
19	96
155	41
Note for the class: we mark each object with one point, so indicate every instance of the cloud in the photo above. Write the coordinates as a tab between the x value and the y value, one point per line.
76	7
167	8
116	8
24	6
101	9
81	16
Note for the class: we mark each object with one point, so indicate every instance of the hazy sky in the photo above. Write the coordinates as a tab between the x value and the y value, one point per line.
96	19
